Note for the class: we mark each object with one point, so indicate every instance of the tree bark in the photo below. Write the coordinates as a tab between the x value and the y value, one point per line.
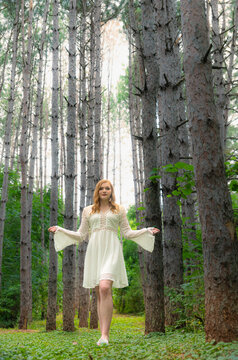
97	140
218	80
84	294
41	172
69	252
154	305
35	134
7	138
91	105
97	121
46	136
2	78
135	160
169	117
220	246
25	245
120	160
114	153
231	69
108	123
62	135
15	145
53	258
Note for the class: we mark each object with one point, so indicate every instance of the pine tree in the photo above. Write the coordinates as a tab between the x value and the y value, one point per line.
53	258
220	245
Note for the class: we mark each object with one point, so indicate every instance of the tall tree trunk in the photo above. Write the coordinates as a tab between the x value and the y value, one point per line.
108	123
91	103
140	83
102	145
35	136
44	253
75	216
46	136
133	127
154	305
132	121
76	175
69	252
24	245
84	294
120	160
114	153
188	204
62	137
2	78
231	68
220	246
169	94
7	138
97	122
41	171
53	258
138	76
15	147
218	80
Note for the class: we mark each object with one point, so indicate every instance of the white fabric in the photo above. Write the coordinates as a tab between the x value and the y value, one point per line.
104	257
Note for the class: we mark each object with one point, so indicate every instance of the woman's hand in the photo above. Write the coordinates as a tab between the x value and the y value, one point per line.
155	231
52	229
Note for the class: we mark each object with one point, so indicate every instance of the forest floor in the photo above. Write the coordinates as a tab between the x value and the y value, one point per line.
127	341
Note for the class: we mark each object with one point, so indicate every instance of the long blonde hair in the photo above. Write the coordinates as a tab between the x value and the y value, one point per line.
96	200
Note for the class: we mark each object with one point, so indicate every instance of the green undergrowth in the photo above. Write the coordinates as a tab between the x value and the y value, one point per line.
127	341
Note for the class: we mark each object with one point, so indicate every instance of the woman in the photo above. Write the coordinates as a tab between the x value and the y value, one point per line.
104	265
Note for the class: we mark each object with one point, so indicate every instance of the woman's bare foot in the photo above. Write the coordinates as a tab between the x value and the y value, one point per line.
103	341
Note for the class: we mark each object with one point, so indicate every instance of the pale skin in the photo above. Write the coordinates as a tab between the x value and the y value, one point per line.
104	289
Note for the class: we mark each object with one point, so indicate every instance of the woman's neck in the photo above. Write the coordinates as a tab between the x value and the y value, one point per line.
104	204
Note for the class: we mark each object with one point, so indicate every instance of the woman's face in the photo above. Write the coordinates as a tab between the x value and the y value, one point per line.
105	191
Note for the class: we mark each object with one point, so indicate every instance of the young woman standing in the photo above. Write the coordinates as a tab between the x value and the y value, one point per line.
104	265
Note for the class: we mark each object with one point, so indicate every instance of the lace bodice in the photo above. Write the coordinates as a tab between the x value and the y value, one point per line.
108	221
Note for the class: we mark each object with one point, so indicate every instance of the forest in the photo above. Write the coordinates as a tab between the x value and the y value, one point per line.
163	130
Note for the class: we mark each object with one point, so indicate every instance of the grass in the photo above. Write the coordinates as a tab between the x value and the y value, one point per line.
127	341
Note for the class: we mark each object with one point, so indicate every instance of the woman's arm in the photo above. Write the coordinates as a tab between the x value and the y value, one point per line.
64	237
144	237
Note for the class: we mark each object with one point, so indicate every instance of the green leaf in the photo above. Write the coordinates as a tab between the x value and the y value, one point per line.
183	165
146	189
234	185
170	168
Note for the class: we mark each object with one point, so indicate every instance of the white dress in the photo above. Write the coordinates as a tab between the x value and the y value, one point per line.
104	257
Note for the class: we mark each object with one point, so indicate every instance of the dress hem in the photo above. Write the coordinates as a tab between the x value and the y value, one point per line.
115	284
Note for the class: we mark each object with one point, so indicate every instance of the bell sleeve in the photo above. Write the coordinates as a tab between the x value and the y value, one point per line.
143	237
64	237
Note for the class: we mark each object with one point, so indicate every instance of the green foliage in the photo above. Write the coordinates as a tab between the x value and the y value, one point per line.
127	341
191	295
191	299
123	89
10	295
231	167
111	9
232	144
130	299
185	181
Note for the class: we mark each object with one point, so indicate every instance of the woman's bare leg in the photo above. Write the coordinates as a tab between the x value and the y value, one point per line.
98	305
105	307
